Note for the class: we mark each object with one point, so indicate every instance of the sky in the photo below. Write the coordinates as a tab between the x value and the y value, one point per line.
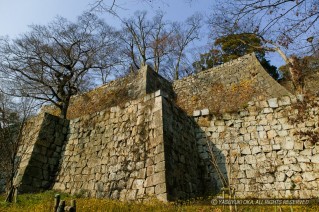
17	15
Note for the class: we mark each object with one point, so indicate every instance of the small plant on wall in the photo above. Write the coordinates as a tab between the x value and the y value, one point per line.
304	114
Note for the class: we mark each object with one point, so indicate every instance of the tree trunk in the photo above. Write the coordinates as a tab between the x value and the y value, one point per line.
296	74
294	68
64	110
176	77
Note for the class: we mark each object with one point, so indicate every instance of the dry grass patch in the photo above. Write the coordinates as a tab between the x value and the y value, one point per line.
41	202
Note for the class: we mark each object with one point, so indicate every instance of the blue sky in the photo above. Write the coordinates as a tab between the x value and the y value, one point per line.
16	15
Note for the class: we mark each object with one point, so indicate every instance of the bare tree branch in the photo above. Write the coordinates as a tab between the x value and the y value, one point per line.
50	63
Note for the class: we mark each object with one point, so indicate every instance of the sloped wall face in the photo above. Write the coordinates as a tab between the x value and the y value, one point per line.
116	153
185	173
226	88
155	82
269	149
128	88
43	138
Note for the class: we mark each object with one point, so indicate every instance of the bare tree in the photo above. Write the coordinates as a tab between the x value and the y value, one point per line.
137	31
51	63
104	6
159	42
147	40
110	6
286	20
184	34
162	41
13	116
282	25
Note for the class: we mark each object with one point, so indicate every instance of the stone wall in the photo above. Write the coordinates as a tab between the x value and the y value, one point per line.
116	153
155	82
269	149
114	93
131	152
43	137
226	88
185	174
136	145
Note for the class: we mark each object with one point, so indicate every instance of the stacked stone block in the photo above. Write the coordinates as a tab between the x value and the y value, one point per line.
116	153
40	154
185	175
264	145
149	145
218	89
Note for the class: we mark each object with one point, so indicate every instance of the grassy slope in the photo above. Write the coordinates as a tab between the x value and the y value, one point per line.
45	202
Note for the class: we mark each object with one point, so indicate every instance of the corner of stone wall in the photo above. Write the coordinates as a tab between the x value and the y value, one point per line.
153	82
156	180
117	153
40	152
184	174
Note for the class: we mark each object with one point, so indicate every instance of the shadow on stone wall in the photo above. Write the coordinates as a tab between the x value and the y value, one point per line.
213	162
42	161
189	171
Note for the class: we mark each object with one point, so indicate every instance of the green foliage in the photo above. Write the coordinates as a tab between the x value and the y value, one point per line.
208	60
237	45
233	46
28	202
272	70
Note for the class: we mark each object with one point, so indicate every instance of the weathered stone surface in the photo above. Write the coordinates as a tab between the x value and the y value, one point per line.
160	188
151	147
246	150
251	173
154	179
150	191
197	113
308	176
315	158
273	103
288	143
280	177
204	112
256	149
138	184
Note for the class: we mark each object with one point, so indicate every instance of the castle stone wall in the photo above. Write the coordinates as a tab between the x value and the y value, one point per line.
185	175
226	88
140	144
43	138
155	82
116	153
269	149
115	93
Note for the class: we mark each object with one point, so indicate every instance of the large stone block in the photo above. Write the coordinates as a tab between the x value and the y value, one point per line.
138	184
315	158
288	143
160	188
308	176
273	103
155	179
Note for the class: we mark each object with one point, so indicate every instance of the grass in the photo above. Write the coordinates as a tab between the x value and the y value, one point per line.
45	202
